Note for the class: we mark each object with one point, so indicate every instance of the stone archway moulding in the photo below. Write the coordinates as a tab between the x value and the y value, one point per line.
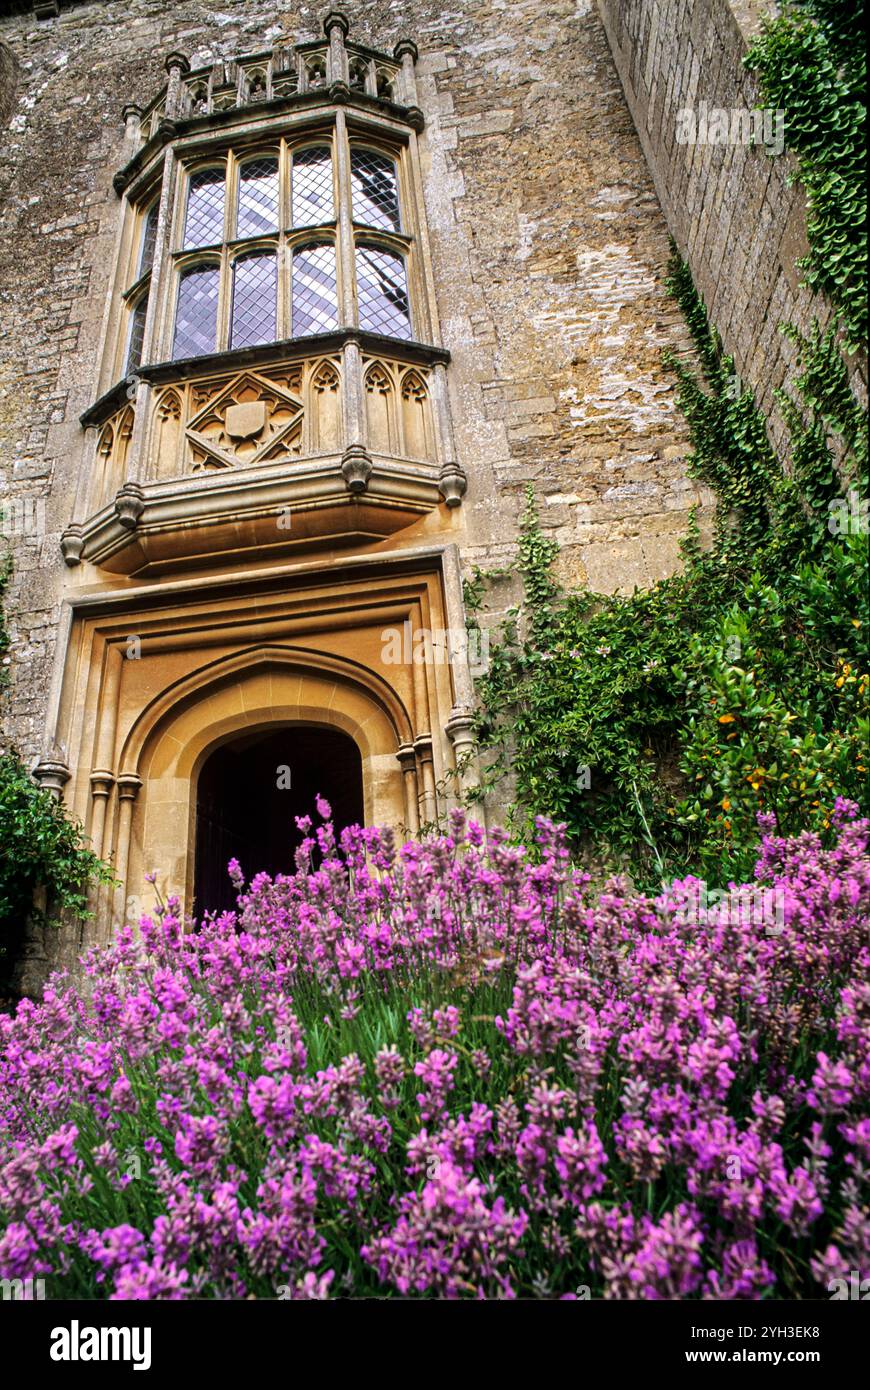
253	689
298	644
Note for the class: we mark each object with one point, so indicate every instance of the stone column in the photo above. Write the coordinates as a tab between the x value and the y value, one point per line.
459	730
131	115
176	65
356	463
128	789
408	763
428	798
102	782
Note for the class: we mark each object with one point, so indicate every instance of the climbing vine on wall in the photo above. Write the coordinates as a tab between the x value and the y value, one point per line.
658	725
811	63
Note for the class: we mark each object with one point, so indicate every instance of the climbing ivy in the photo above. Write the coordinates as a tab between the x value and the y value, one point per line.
658	725
811	63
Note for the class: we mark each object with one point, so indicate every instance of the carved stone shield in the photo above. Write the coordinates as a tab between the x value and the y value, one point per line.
245	420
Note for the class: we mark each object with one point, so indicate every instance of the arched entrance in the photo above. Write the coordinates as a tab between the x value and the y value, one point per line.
249	792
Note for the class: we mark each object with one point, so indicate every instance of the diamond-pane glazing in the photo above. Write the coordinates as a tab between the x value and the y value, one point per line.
137	334
315	300
149	240
205	208
255	285
196	315
312	187
375	190
383	293
258	198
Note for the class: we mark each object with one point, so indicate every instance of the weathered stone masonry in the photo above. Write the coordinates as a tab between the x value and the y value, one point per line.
545	247
731	209
548	248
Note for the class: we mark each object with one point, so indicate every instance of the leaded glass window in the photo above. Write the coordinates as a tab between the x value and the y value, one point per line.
196	315
255	289
315	298
312	187
293	284
258	198
375	190
137	334
149	239
383	292
205	208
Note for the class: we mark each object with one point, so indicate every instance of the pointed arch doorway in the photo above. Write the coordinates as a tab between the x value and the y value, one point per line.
249	791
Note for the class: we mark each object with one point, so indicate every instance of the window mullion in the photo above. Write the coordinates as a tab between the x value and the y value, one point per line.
283	287
161	286
231	197
225	301
347	315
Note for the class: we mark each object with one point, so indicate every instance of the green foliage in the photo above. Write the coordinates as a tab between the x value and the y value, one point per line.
811	63
40	847
737	686
658	725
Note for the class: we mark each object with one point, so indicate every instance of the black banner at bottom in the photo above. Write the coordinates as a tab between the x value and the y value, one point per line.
60	1340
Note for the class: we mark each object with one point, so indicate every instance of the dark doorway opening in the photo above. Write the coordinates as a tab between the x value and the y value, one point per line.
245	808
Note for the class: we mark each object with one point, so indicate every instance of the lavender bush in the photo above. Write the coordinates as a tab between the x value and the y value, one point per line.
446	1070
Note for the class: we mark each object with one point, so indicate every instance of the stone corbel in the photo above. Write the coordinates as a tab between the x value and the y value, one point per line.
415	118
167	129
71	543
452	483
356	468
129	505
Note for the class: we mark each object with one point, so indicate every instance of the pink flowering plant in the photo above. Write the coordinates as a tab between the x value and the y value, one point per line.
449	1069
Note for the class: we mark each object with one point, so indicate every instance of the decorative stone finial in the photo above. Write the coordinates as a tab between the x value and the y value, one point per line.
130	112
403	47
336	20
129	505
176	61
356	468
